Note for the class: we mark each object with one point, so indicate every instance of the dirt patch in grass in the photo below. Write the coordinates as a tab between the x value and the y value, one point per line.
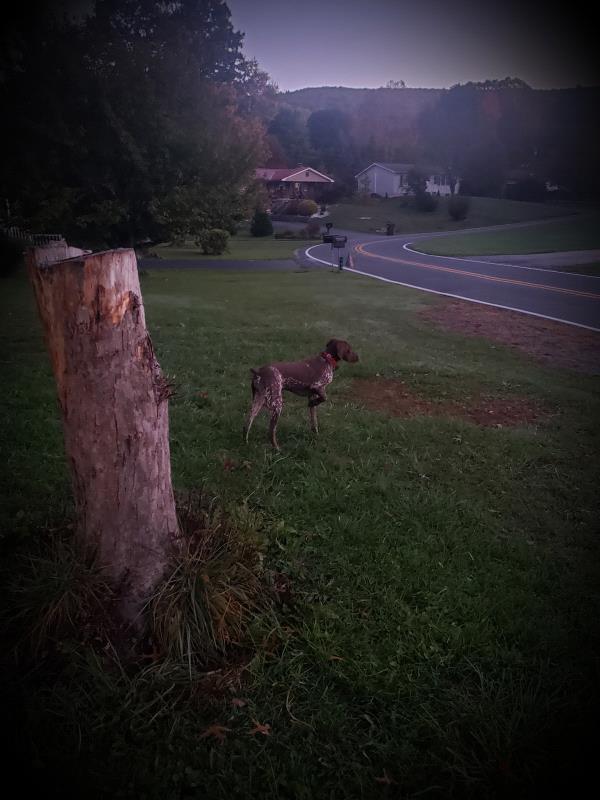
549	342
393	397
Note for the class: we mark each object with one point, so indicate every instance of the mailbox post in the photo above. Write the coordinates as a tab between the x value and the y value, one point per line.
339	243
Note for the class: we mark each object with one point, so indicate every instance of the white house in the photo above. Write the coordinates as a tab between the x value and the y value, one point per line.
391	180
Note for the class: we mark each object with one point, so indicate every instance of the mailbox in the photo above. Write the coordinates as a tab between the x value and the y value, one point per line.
339	241
328	238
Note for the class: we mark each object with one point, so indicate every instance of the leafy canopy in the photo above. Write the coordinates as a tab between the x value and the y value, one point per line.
137	121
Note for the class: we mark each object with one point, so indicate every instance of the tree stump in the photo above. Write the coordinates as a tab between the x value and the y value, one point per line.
114	403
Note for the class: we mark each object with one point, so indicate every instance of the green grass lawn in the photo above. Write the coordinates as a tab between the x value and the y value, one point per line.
444	638
242	247
484	211
578	233
372	216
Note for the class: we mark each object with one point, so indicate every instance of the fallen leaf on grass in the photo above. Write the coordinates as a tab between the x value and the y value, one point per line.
335	658
229	465
258	728
237	702
216	732
385	779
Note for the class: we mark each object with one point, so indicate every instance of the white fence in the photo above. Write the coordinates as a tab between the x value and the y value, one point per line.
36	239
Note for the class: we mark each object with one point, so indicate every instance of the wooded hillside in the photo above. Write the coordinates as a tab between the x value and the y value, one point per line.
486	131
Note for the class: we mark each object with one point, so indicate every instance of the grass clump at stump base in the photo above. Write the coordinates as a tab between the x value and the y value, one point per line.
77	686
214	587
213	591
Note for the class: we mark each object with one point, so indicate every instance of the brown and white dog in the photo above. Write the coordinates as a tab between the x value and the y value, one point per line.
307	378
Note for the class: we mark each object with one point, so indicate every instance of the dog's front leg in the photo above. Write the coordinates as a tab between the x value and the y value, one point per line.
317	397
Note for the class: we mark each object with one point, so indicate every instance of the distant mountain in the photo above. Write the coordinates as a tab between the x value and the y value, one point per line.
406	101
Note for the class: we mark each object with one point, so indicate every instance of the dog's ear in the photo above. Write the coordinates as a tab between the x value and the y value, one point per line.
332	348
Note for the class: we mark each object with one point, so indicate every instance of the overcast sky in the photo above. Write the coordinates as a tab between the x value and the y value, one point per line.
426	43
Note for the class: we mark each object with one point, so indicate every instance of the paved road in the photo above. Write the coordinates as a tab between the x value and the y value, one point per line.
562	296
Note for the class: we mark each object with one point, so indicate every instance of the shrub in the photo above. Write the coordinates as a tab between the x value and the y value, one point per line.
306	208
261	224
313	228
286	234
458	206
213	241
291	207
425	201
278	205
417	181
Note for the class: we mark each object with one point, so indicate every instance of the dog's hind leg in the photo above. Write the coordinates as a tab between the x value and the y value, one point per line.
275	414
258	401
256	407
274	403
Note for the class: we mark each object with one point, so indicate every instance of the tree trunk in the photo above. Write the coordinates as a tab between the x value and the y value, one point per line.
114	406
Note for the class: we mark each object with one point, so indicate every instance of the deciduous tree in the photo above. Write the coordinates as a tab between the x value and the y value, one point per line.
115	114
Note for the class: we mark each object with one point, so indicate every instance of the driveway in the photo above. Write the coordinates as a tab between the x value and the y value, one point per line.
544	292
218	263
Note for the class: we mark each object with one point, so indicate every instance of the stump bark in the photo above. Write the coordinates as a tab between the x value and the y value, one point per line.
114	403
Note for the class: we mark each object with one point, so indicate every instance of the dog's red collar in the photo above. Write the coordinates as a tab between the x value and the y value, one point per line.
330	359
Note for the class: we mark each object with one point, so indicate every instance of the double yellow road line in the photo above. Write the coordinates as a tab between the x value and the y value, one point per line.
360	248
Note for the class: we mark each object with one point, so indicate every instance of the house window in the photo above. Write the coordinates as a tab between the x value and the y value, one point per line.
307	173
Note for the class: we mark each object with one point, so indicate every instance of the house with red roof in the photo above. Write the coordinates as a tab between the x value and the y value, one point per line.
293	183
